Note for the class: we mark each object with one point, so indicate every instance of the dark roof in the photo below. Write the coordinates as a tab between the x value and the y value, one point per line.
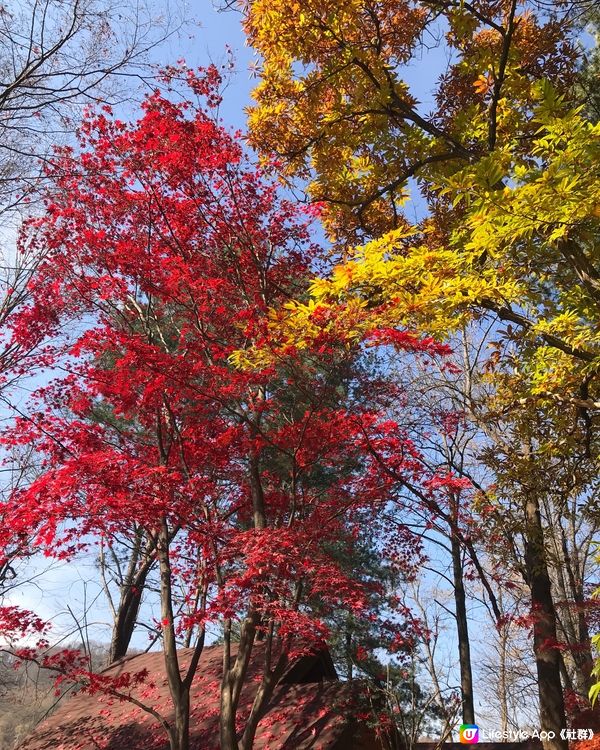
310	708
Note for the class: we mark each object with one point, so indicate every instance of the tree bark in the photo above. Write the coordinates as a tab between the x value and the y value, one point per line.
349	662
182	721
462	627
502	681
178	689
227	734
129	606
233	679
582	653
270	678
547	656
131	588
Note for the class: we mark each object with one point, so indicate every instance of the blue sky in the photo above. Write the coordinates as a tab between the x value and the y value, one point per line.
216	32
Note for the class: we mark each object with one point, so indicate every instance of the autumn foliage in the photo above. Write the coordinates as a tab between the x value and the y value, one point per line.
475	217
165	252
272	438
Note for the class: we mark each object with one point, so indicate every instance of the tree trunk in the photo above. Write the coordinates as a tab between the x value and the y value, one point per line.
233	679
181	740
582	653
129	606
227	734
502	686
462	627
547	657
271	676
234	676
263	696
349	662
178	689
131	589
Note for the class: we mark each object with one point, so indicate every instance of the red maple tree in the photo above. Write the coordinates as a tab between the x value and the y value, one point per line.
165	249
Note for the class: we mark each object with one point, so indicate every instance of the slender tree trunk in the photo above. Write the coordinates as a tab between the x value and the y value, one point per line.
182	721
235	675
131	589
582	654
227	735
179	691
271	677
233	679
349	663
547	657
257	494
124	625
502	686
565	674
462	627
